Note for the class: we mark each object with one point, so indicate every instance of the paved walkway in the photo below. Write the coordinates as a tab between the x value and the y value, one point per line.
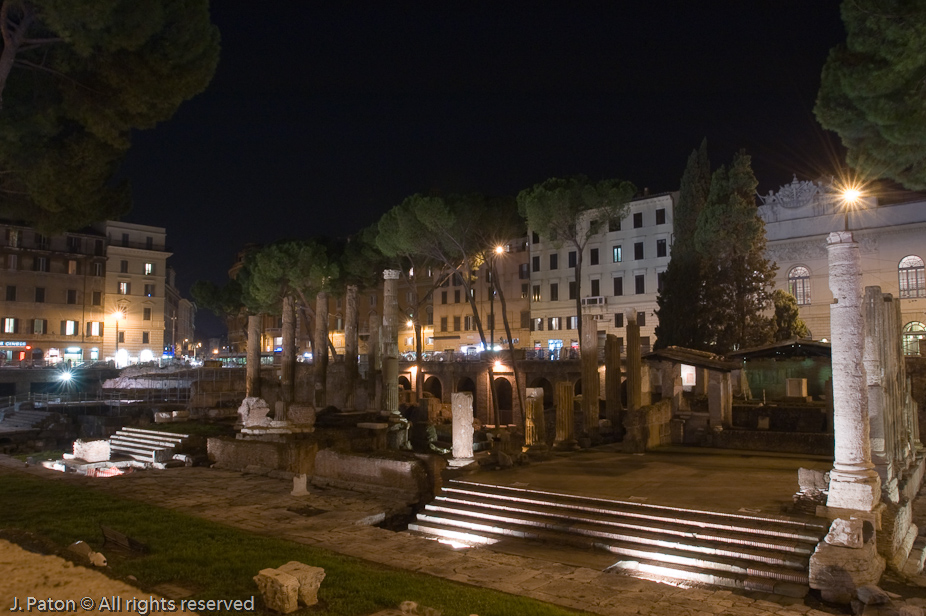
261	505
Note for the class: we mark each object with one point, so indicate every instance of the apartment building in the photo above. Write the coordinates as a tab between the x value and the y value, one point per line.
622	271
135	291
52	303
454	326
892	241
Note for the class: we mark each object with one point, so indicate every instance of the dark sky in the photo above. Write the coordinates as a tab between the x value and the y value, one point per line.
322	116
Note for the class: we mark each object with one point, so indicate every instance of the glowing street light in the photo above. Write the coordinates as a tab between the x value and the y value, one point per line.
850	196
118	315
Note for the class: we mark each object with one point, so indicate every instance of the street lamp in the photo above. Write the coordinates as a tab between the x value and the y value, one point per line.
850	196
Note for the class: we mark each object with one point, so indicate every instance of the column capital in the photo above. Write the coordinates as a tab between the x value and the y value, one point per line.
391	274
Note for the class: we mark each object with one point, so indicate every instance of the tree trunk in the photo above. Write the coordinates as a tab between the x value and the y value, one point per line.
351	340
320	350
578	280
12	39
253	357
514	366
288	376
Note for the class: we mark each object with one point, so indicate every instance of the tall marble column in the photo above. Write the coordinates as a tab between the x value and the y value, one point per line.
253	356
590	379
565	419
535	432
854	483
390	340
634	362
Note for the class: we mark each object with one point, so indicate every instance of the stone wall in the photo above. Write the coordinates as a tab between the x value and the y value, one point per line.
390	475
296	457
783	442
781	418
648	427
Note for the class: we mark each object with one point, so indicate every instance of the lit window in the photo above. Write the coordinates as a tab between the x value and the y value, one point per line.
617	255
125	288
39	326
913	332
912	279
535	296
799	285
9	325
71	328
149	269
95	328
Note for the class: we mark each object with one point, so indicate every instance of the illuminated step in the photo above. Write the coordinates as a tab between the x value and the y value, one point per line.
674	528
676	555
784	555
759	525
729	549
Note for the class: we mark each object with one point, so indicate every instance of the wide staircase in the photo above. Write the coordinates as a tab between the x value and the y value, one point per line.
726	549
150	446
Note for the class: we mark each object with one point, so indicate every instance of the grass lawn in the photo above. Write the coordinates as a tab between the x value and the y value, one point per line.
218	561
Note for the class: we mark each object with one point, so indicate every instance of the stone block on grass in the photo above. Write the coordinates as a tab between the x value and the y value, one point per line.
279	590
309	577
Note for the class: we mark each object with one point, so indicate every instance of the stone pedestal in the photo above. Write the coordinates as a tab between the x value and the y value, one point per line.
534	426
854	484
565	420
837	571
462	409
590	378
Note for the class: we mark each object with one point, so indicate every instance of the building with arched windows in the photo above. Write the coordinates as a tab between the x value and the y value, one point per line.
892	239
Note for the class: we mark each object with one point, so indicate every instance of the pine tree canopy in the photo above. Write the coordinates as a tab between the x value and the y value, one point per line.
76	77
872	91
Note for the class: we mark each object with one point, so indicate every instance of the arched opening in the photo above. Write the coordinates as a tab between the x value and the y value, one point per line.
547	387
404	383
505	403
577	389
432	386
799	284
912	277
913	332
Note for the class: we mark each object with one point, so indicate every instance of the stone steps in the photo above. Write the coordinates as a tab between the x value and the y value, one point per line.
20	420
145	445
727	549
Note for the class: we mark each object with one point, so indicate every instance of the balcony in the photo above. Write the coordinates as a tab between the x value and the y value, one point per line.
598	300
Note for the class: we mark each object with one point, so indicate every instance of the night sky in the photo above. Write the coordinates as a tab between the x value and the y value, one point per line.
322	116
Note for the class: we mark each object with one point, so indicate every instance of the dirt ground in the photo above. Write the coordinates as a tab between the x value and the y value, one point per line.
54	580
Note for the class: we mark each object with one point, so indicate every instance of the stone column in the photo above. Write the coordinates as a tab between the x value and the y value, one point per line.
461	405
351	344
565	422
390	341
253	356
534	427
634	363
288	360
590	377
854	484
881	417
612	381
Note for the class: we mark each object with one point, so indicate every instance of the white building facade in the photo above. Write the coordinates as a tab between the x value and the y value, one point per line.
622	271
892	240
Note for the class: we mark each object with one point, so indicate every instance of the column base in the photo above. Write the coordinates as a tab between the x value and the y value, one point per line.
566	445
859	490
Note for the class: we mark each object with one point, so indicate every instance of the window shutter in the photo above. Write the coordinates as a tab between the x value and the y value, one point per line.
63	328
15	326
